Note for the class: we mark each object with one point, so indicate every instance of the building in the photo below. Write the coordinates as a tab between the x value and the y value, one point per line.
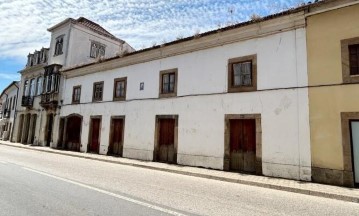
8	102
333	62
231	99
73	42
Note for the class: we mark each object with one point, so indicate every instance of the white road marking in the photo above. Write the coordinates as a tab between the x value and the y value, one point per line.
168	211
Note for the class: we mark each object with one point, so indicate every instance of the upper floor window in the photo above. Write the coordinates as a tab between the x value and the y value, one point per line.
97	50
350	60
242	74
119	91
168	83
97	91
39	86
26	88
32	87
354	59
59	45
13	105
76	94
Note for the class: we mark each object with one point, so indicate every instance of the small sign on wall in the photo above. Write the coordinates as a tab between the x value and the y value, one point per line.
142	86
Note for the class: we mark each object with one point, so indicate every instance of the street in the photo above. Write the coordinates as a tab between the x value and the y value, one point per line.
39	183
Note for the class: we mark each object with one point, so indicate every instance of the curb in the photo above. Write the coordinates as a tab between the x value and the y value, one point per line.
238	181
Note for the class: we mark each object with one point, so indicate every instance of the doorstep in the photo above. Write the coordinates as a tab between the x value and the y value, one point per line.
308	188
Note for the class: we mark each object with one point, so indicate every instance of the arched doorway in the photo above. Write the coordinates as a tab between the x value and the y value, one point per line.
73	133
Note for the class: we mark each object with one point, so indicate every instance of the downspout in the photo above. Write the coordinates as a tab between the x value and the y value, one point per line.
15	114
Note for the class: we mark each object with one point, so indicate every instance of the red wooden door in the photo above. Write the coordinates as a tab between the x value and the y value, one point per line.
243	145
95	135
166	152
116	145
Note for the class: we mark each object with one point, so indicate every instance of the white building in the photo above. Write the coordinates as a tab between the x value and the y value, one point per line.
8	100
73	42
232	99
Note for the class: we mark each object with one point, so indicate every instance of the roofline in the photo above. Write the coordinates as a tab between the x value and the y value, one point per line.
60	24
305	8
9	86
212	32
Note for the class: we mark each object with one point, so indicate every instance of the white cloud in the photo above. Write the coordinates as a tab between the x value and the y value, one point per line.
139	22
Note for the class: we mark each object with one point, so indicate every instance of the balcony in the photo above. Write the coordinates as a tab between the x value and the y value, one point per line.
7	113
27	101
49	100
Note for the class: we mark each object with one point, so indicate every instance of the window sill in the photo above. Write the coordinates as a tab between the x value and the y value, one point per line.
167	95
242	89
119	99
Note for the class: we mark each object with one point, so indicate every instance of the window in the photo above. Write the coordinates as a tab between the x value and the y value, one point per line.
242	74
32	87
59	45
354	59
97	49
39	86
26	88
168	83
119	89
76	94
13	105
350	60
97	91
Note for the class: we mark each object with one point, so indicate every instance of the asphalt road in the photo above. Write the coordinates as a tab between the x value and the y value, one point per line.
39	183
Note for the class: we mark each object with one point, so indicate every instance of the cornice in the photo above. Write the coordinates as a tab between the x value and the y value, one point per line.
256	30
32	69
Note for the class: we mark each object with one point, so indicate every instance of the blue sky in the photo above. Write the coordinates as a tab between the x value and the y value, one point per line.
142	23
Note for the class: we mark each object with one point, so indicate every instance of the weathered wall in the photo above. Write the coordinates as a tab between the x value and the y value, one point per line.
281	63
324	34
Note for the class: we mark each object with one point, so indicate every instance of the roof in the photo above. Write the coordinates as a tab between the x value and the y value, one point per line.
304	7
82	21
9	86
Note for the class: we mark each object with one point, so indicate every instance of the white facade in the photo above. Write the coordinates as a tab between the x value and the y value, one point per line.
203	100
8	110
38	111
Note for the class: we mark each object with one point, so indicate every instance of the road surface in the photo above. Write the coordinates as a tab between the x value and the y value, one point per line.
40	183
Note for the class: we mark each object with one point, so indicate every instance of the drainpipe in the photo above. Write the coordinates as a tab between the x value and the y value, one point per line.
15	114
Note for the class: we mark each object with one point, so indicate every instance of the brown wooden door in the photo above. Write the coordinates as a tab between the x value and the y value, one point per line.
95	135
243	145
166	141
73	133
116	145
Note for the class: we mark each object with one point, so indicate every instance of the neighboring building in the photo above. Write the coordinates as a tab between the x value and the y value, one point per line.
8	102
73	42
233	99
333	66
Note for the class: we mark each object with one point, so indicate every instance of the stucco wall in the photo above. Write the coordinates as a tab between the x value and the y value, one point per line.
324	34
203	103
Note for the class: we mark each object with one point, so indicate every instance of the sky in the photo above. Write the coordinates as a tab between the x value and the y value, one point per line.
141	23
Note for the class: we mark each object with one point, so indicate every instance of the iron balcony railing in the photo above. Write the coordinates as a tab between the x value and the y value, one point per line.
49	99
7	113
27	101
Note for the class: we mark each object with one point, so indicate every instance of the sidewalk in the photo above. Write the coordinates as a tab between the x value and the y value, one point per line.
327	191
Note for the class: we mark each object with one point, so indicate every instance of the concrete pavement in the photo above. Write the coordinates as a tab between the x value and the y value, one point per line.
327	191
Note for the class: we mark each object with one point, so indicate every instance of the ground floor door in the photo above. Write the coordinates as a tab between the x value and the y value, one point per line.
116	140
166	141
243	145
94	144
355	149
73	133
50	123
